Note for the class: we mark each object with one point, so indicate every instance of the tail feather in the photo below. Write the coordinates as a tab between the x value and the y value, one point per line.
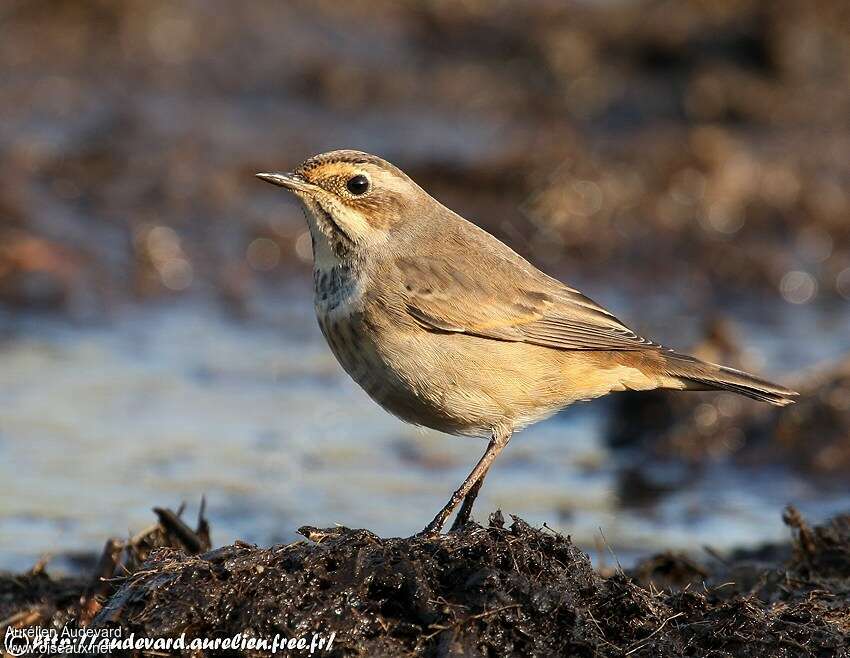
701	375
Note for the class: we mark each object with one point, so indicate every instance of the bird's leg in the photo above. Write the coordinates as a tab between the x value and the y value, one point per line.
497	443
468	501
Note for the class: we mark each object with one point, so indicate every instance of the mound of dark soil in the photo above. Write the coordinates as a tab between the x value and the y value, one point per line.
496	590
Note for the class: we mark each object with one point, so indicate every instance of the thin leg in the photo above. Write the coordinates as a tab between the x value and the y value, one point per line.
465	511
497	443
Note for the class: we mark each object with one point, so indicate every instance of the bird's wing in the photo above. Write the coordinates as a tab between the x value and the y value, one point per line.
510	300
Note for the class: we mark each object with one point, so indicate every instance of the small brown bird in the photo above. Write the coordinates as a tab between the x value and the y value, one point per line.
445	326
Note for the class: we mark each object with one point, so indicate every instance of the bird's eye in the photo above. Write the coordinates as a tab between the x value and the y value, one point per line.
357	185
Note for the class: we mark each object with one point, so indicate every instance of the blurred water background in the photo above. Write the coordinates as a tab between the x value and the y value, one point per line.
684	163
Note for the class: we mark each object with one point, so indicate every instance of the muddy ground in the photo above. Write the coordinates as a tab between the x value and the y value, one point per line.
506	589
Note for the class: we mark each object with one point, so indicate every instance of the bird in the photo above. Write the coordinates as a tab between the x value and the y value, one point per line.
446	327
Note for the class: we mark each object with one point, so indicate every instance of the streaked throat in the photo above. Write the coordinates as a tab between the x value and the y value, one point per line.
322	222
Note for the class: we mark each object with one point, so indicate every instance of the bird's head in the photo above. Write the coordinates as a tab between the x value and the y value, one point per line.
353	200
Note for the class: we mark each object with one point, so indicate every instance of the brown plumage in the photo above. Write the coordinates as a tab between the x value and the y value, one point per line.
445	326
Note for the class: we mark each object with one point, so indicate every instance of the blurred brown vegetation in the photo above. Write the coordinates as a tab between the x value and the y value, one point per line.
812	436
698	142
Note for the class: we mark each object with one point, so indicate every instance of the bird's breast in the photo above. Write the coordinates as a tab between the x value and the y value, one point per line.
340	310
361	335
338	290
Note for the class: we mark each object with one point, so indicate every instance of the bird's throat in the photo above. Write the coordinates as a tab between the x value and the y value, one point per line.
331	242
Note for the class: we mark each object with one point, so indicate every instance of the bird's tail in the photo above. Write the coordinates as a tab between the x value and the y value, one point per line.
704	376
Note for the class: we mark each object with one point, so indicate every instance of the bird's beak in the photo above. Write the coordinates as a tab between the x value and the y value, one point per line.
292	182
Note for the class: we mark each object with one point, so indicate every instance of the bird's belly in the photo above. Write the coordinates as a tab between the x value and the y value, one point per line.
448	383
389	366
474	386
453	383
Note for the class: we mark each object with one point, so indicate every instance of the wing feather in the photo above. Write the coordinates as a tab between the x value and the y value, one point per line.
508	299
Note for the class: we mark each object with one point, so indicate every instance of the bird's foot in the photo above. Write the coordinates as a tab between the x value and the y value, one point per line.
461	520
430	530
434	528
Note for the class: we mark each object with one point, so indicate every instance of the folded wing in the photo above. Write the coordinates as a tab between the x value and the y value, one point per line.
508	299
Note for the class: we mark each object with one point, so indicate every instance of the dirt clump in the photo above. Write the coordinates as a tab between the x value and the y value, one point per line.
499	590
